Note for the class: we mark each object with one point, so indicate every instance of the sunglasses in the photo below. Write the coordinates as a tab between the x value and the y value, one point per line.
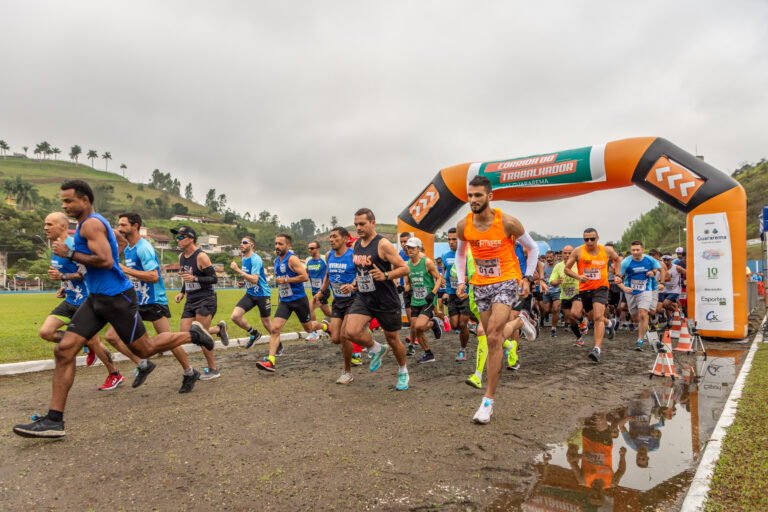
180	237
244	242
590	238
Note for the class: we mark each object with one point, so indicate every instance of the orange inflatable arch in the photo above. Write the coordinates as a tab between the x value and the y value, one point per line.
713	201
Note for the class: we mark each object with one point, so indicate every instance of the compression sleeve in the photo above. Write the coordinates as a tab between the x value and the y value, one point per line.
461	261
208	277
533	253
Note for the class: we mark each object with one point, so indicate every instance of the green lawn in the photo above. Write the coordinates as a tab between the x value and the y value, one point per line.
739	482
22	314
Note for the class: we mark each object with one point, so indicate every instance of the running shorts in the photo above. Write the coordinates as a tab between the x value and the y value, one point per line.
203	306
121	311
614	298
568	303
523	304
389	321
299	306
552	296
638	301
504	292
427	310
340	306
671	297
64	311
248	302
654	300
596	296
457	306
154	312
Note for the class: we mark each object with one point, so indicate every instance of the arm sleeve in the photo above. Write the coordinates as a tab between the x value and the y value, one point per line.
208	277
533	253
461	261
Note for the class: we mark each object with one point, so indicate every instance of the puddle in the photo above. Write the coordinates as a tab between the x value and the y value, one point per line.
640	455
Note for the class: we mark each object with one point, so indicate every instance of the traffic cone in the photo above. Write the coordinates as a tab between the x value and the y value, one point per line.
675	324
664	366
684	342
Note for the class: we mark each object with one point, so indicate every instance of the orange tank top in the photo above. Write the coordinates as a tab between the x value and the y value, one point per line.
594	267
597	462
493	252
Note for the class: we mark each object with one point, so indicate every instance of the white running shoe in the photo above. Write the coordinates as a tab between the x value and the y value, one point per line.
528	328
483	414
313	336
345	378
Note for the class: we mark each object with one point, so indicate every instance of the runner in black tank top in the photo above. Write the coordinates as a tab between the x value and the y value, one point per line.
377	295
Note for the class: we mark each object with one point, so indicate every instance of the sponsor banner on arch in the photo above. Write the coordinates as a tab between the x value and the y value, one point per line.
713	272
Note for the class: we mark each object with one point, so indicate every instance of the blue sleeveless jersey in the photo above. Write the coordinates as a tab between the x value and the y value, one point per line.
142	256
316	268
76	290
103	281
288	292
254	265
341	270
449	259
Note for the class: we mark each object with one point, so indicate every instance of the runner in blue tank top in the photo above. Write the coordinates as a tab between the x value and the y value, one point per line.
317	269
257	292
112	300
290	276
458	309
74	293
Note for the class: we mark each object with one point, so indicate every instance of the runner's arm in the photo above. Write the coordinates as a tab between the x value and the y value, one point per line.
532	260
206	267
98	243
255	274
152	272
326	281
387	253
572	259
295	264
432	269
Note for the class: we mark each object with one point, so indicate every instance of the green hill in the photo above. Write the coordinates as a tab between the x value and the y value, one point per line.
661	226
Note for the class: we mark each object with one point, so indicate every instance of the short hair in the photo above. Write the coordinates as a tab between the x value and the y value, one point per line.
637	242
481	181
133	218
439	259
367	212
343	233
654	252
286	236
609	244
406	233
590	230
314	242
451	231
80	187
549	252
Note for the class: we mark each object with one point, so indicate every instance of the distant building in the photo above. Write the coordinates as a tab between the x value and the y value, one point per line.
191	218
209	243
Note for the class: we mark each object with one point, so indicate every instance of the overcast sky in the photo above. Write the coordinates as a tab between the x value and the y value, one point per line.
314	109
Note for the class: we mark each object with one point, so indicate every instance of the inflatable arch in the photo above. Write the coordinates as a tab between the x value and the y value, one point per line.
714	202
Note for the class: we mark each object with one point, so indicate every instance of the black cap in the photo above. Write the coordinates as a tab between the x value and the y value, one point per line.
185	231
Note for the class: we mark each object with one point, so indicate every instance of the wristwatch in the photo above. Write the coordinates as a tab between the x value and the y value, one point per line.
530	279
386	275
70	254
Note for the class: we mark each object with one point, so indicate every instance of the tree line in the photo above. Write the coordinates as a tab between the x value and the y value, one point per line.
45	150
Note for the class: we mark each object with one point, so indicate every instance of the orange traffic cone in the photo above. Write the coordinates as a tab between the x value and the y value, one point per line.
684	342
675	324
664	366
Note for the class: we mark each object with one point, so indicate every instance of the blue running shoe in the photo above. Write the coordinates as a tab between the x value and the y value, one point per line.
402	381
376	359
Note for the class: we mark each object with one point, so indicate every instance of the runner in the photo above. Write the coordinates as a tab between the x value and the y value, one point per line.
492	235
441	295
317	269
569	295
423	281
458	309
377	264
74	291
638	271
290	276
592	260
143	268
257	292
657	286
404	237
551	299
672	286
112	300
615	294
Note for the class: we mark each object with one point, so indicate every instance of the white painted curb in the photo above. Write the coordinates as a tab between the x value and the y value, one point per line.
697	492
49	364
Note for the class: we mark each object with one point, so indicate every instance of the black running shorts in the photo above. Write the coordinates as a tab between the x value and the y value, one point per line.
203	306
457	306
614	297
428	310
390	321
154	312
64	311
568	303
523	304
248	302
341	305
298	306
590	297
121	311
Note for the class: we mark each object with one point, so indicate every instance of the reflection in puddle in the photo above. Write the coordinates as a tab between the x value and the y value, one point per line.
639	455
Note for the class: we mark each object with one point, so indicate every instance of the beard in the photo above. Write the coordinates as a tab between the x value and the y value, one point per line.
481	208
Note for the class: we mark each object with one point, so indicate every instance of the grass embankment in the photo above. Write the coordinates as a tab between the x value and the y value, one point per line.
740	482
22	314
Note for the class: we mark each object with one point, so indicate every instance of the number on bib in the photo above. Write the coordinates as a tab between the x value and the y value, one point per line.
420	293
488	268
191	286
365	283
336	287
593	274
454	282
637	285
284	290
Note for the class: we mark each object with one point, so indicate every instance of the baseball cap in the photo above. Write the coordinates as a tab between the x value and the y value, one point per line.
414	242
679	250
185	231
667	257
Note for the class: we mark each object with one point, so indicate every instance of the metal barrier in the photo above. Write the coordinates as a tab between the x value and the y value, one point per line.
753	299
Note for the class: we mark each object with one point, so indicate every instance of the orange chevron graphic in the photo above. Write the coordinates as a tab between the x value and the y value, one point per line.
424	203
674	179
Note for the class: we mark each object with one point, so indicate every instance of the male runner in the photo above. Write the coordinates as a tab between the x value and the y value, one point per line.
112	300
143	268
257	292
550	303
74	292
592	261
672	286
404	237
458	309
423	281
290	276
441	295
492	235
317	269
377	264
569	295
199	277
637	272
657	284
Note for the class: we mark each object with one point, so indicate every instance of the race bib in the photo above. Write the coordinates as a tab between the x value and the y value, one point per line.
593	274
190	287
365	283
336	287
420	293
570	291
284	290
488	268
637	285
454	282
315	282
249	285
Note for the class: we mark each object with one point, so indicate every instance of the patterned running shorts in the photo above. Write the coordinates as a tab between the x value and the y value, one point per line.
504	292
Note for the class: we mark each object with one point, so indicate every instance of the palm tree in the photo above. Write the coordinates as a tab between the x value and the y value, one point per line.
37	150
92	155
24	192
25	148
123	167
107	157
45	148
56	151
74	152
9	187
4	147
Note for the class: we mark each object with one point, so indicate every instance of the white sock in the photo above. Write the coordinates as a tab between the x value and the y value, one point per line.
402	369
487	401
376	348
479	375
598	349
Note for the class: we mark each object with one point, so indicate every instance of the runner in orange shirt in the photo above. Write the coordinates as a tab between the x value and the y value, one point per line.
592	263
492	236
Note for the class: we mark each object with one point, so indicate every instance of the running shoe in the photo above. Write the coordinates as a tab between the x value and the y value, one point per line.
437	328
446	325
483	414
472	328
408	340
462	356
357	359
112	382
223	333
529	329
411	350
209	374
200	335
41	426
631	327
511	356
474	381
141	375
327	325
280	349
345	378
583	326
639	345
90	357
594	355
578	343
313	336
514	367
402	381
376	359
188	382
610	331
266	365
426	358
553	332
253	339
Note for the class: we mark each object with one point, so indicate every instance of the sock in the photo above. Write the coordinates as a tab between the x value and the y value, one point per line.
479	375
189	372
55	415
271	359
142	364
598	349
325	327
482	353
506	344
427	351
402	369
115	373
252	331
487	401
376	348
575	330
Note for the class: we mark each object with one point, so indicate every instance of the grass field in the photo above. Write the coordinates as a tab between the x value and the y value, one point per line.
22	314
